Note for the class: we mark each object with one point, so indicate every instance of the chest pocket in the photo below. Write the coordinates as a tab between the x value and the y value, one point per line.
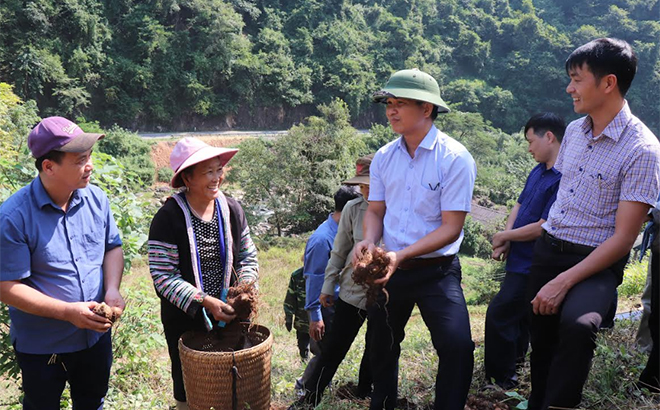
93	241
602	186
430	191
428	203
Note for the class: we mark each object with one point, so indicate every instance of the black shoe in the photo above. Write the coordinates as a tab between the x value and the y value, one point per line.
651	385
362	392
502	386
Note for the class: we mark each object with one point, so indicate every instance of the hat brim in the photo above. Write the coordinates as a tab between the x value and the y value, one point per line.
419	95
201	155
357	180
81	143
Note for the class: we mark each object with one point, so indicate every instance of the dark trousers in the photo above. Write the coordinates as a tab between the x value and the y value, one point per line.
650	376
175	323
438	294
563	344
172	336
316	347
337	341
507	330
87	372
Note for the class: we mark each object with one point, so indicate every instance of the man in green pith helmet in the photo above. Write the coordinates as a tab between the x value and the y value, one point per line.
420	193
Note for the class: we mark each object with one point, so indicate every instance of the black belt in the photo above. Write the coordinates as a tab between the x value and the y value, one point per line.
562	246
419	263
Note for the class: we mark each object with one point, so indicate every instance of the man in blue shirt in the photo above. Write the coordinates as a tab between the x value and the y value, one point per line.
420	192
507	329
317	254
60	256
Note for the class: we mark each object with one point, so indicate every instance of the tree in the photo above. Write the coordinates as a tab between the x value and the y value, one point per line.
295	176
16	121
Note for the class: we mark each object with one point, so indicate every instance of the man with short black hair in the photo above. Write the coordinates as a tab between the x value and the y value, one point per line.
507	329
60	256
610	165
420	193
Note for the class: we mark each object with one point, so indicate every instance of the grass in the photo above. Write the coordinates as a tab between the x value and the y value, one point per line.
140	376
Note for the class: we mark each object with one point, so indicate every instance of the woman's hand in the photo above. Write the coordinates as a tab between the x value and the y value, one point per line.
219	309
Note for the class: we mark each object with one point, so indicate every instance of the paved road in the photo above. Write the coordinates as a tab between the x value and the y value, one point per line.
266	134
212	134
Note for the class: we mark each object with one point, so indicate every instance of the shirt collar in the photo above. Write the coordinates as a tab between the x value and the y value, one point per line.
331	221
545	168
615	128
427	143
44	199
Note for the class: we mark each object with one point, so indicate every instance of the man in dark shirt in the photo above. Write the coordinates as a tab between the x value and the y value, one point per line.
507	330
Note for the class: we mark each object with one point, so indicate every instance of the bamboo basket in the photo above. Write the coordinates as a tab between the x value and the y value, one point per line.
208	376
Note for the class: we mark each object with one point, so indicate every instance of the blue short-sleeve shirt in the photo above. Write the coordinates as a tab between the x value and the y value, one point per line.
535	202
417	190
60	255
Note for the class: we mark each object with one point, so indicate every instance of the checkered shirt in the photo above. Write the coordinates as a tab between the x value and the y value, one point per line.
621	164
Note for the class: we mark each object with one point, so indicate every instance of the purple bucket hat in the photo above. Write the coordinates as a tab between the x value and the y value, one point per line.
190	151
59	134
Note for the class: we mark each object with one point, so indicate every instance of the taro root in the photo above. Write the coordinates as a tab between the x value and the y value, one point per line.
110	313
370	267
244	299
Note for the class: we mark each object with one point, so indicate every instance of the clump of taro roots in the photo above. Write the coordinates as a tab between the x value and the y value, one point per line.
370	267
110	313
244	299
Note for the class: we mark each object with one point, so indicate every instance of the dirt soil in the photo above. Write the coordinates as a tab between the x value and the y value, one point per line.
487	400
491	400
161	150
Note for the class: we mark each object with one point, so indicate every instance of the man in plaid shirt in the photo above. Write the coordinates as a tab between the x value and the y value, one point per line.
610	165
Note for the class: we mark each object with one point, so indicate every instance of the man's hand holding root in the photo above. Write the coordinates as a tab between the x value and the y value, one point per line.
391	268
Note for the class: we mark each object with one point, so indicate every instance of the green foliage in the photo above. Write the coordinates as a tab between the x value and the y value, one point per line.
220	63
290	243
8	364
165	175
132	151
132	208
475	239
481	279
136	337
16	121
297	175
616	366
378	136
634	278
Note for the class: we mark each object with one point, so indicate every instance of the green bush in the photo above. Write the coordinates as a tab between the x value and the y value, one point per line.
165	175
131	150
475	239
378	136
481	279
16	120
293	242
291	180
634	279
131	207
